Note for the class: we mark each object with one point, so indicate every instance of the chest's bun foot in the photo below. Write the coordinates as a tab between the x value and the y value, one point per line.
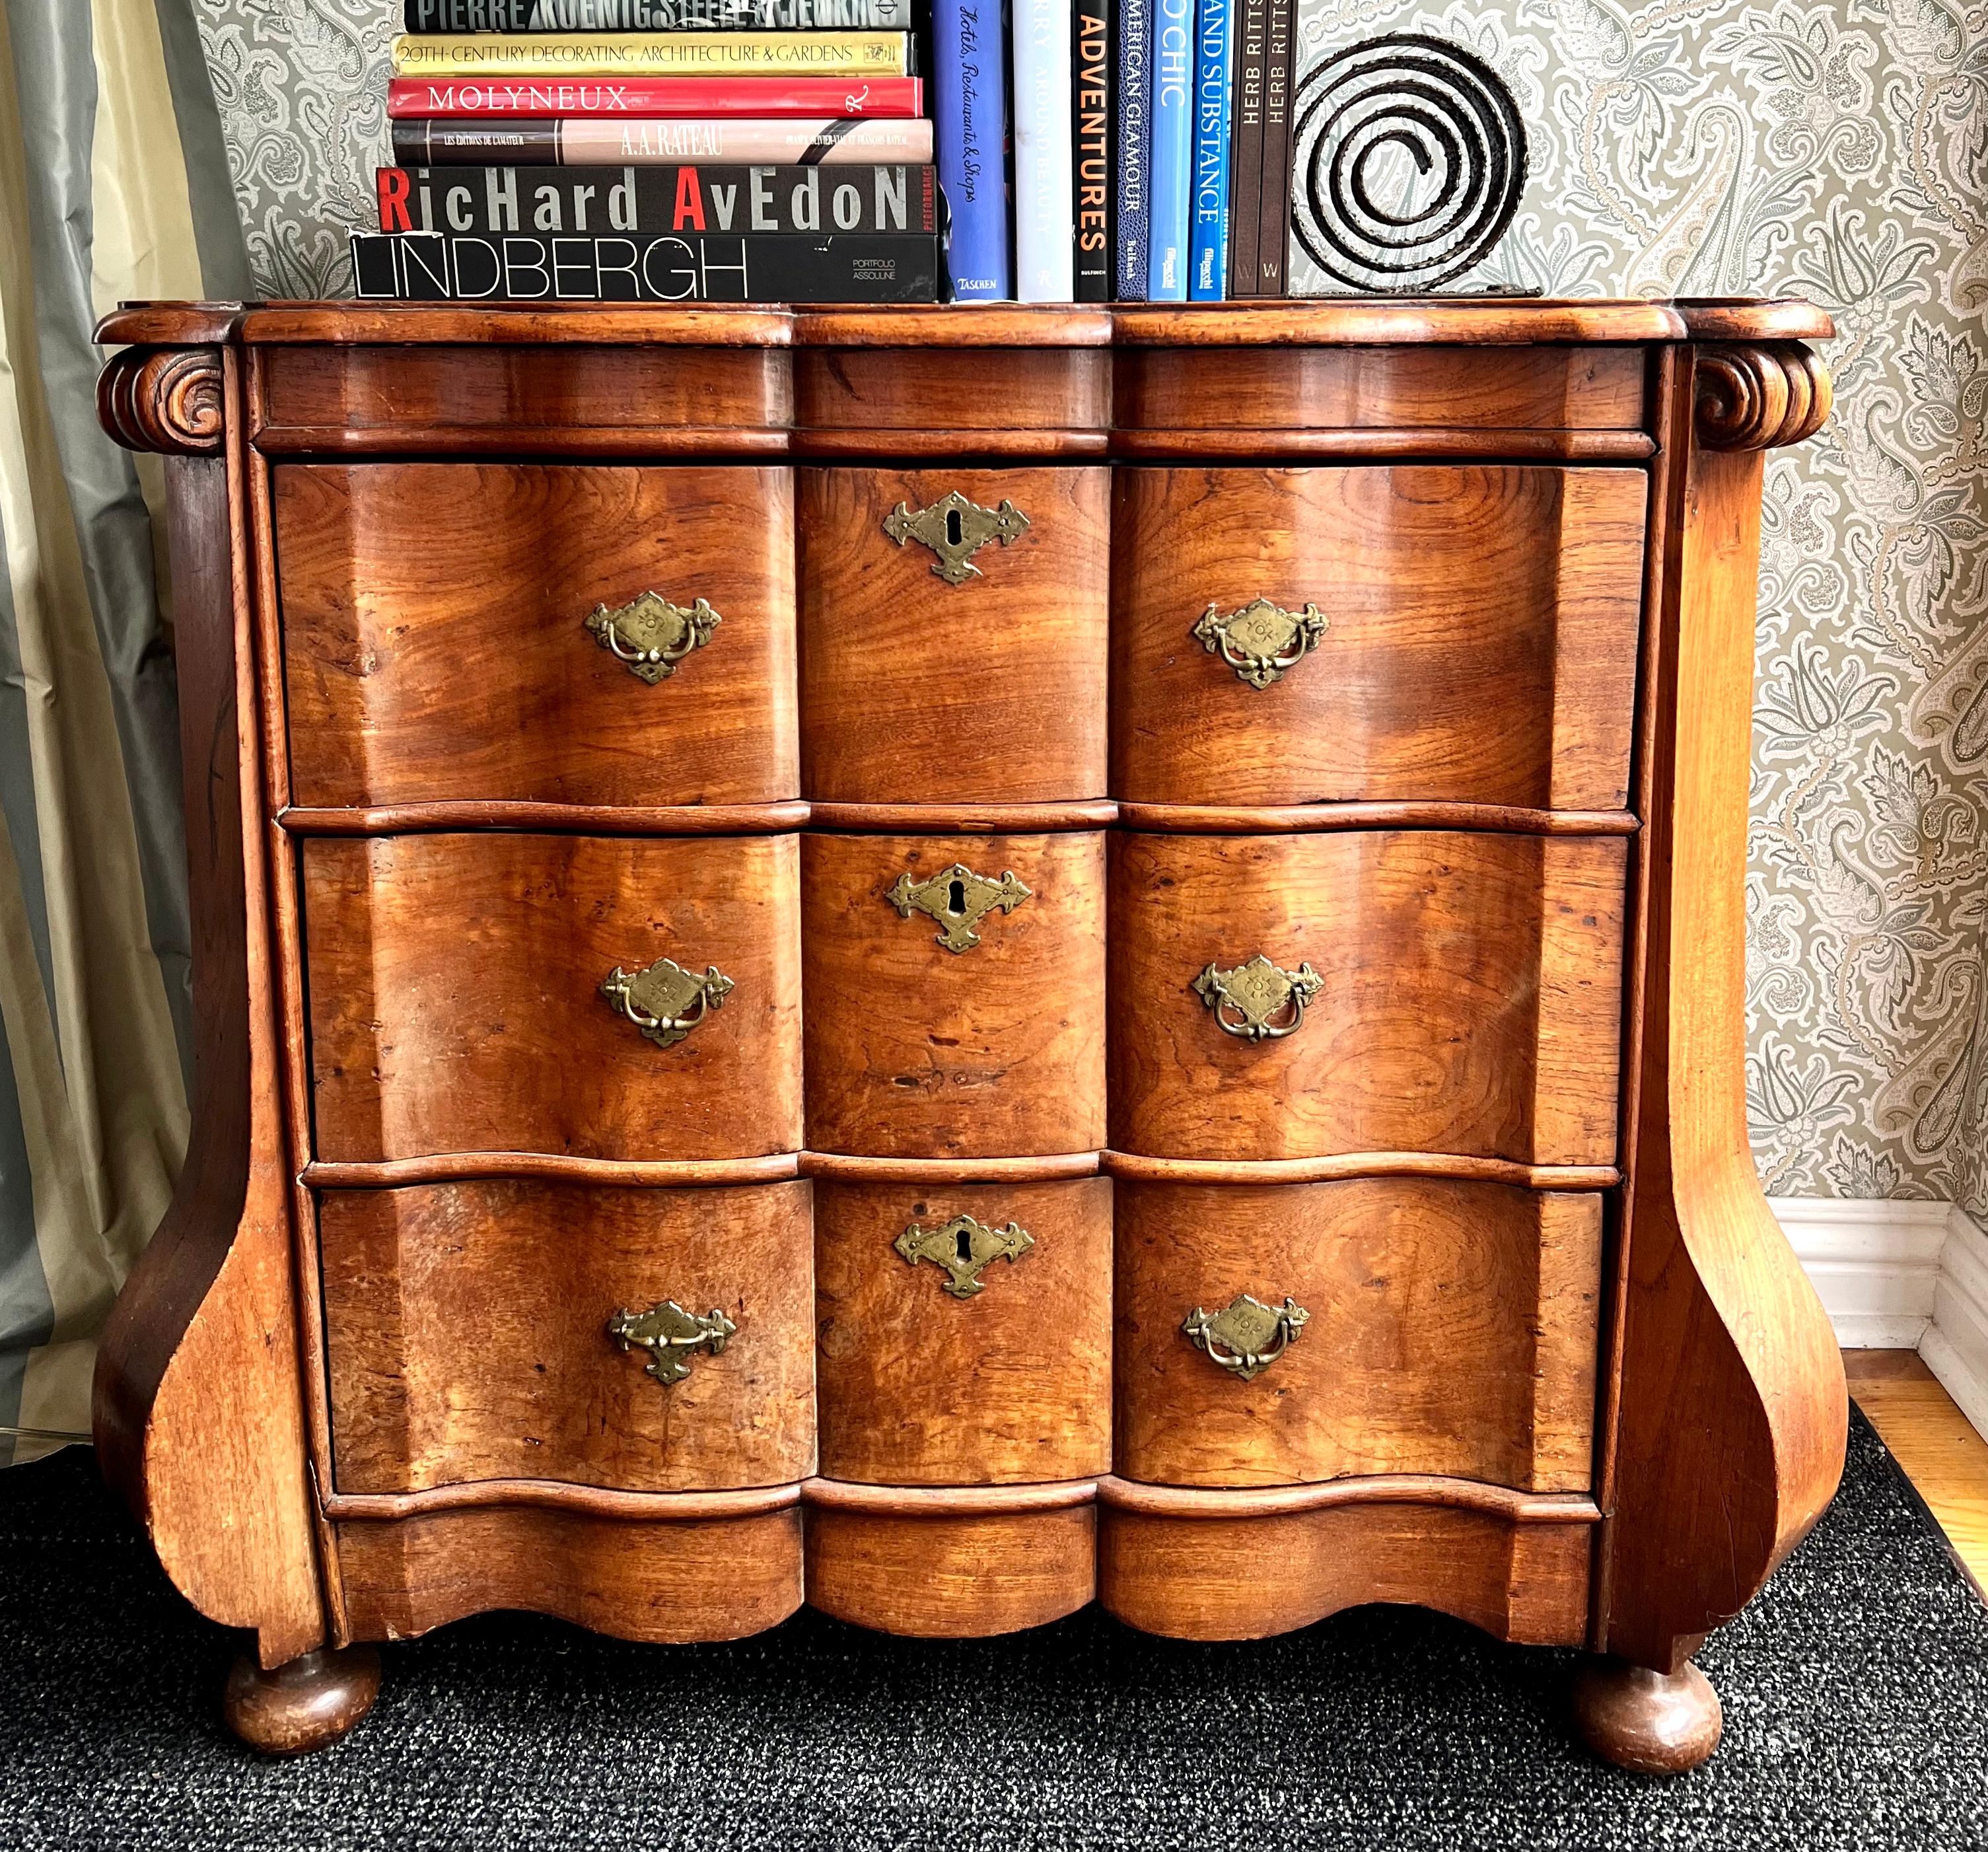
303	1705
1655	1723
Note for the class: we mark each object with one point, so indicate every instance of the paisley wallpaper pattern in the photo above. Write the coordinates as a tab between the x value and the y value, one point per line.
1698	147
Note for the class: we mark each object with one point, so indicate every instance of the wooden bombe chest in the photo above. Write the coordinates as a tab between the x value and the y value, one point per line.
949	961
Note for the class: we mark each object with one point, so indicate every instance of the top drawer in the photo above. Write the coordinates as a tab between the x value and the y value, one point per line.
436	642
1422	633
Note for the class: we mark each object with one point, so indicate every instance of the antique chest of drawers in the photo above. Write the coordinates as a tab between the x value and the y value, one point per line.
948	962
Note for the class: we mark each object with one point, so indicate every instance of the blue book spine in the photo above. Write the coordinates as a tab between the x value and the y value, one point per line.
970	125
1207	239
1045	200
1135	102
1172	156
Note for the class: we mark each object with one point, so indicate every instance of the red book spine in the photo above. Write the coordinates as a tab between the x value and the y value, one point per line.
897	97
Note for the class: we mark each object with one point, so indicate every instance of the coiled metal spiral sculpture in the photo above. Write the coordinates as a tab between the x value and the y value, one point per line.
1409	157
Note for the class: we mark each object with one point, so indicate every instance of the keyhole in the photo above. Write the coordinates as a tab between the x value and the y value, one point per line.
955	529
965	1241
955	897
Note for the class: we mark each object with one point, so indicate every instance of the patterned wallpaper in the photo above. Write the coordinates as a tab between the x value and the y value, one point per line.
1694	147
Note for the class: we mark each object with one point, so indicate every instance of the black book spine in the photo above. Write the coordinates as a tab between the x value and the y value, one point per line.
422	141
646	201
430	267
1246	147
1093	174
1274	216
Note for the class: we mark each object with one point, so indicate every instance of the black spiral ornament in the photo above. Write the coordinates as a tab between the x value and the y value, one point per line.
1368	110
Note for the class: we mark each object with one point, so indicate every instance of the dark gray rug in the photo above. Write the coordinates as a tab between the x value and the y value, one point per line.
1856	1696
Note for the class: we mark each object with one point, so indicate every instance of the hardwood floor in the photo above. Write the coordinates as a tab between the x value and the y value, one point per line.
1934	1443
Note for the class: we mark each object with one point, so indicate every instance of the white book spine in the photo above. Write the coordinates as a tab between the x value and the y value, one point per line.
1045	203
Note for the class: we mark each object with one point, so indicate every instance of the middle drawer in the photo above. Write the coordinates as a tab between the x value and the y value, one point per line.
619	998
955	994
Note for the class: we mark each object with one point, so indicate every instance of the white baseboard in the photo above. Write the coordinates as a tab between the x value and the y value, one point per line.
1876	1264
1955	1344
1901	1276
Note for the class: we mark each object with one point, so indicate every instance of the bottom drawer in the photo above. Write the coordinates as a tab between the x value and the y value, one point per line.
467	1335
1437	1327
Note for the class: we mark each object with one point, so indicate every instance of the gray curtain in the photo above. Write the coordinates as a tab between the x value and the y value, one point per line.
114	184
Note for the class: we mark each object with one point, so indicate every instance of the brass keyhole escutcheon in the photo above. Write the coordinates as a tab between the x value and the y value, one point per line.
1260	641
958	899
1259	1002
961	1249
1246	1336
955	529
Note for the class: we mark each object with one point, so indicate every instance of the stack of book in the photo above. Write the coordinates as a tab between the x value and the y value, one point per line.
1150	147
656	150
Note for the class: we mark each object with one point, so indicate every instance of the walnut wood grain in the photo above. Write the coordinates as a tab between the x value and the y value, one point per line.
1287	820
1202	1502
454	1002
457	1167
915	1051
476	814
1219	1578
1652	1723
1290	390
529	399
466	1326
951	1578
946	1501
949	399
1732	1412
196	1404
561	1494
1470	1000
915	691
412	681
667	1582
841	1168
1452	1333
1480	646
1383	322
918	1388
1348	1165
964	819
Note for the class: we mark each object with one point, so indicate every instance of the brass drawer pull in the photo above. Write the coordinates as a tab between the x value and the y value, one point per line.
1247	1336
961	1248
649	635
955	529
1259	1002
1260	641
958	899
669	1334
665	1001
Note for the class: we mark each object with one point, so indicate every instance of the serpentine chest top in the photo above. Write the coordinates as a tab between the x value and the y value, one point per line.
947	962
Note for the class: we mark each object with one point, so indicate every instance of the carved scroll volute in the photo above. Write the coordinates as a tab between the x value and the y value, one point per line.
166	399
1759	397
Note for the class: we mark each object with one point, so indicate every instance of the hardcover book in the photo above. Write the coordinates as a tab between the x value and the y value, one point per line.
1133	138
652	54
1172	155
1245	145
612	141
1091	142
657	15
755	96
1045	214
427	267
970	127
1273	213
1207	240
595	200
